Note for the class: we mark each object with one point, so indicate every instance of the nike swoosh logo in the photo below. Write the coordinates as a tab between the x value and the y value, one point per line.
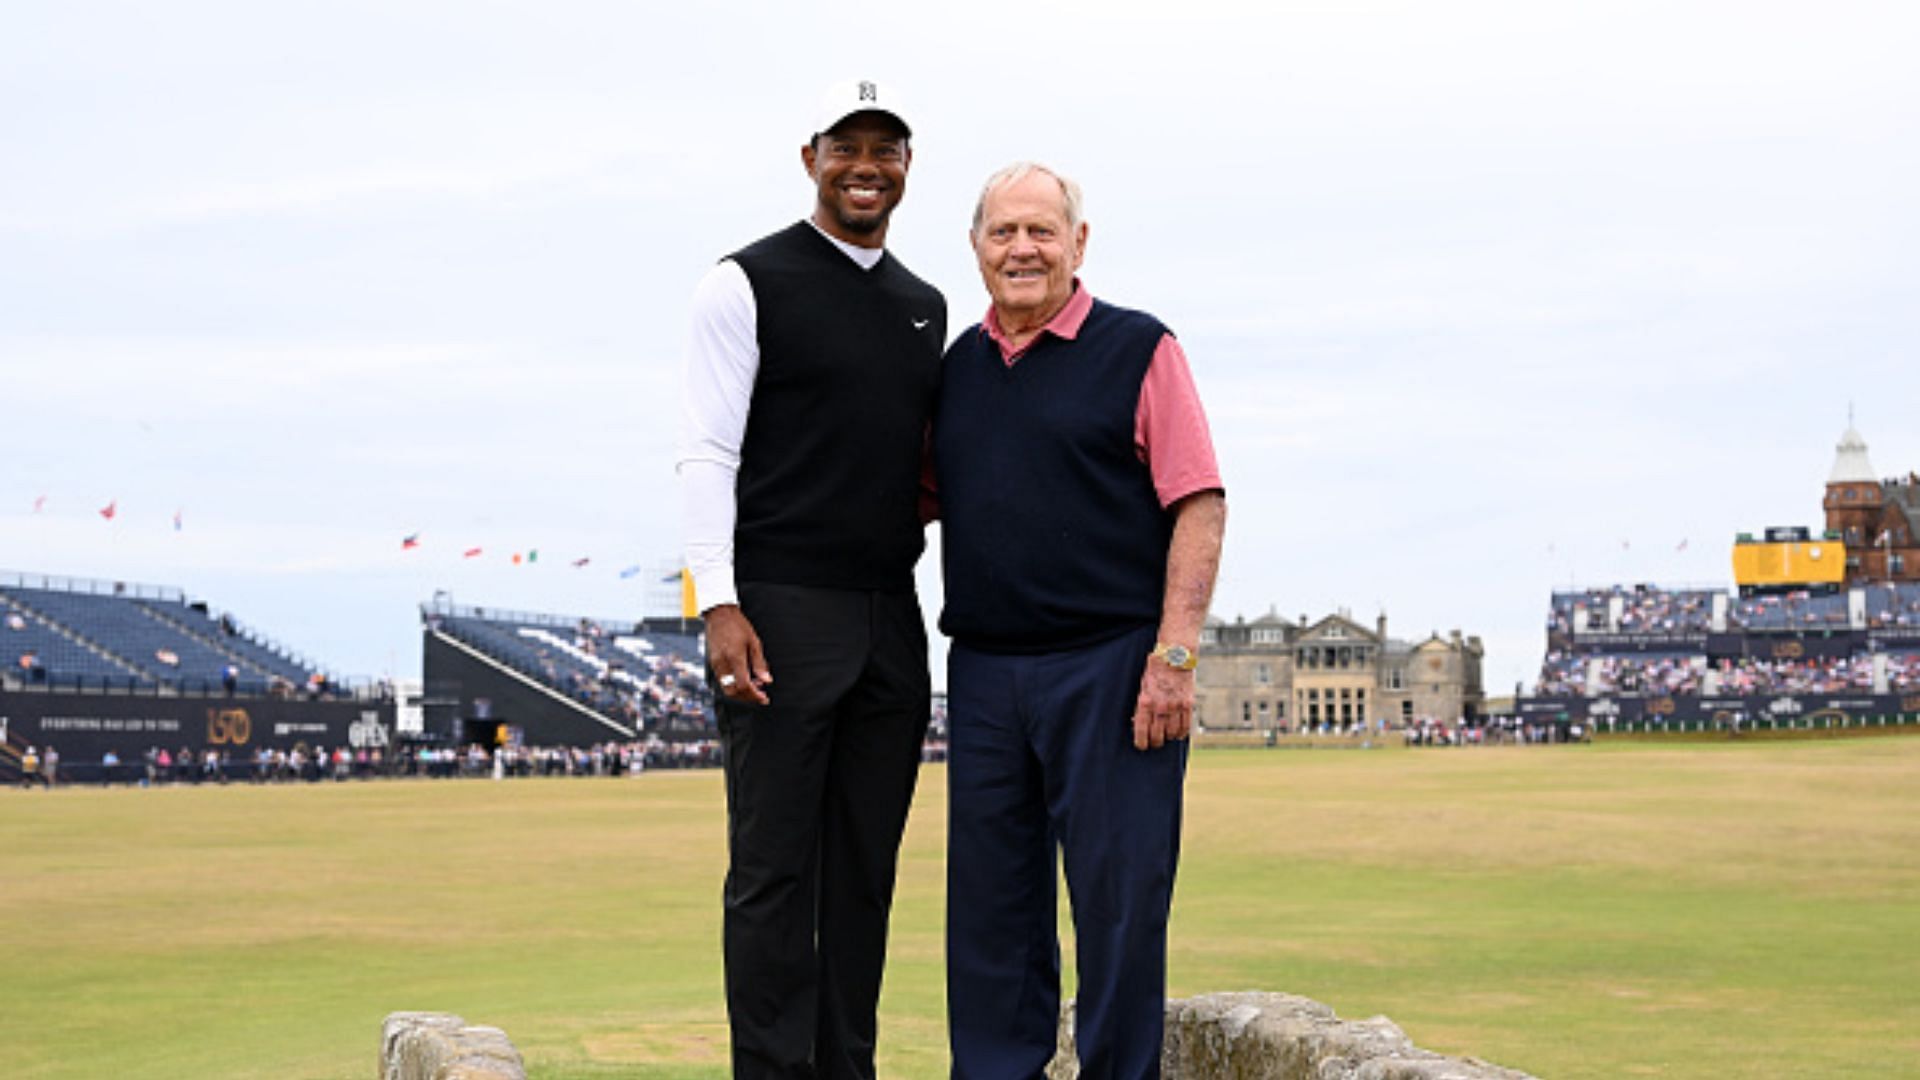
921	324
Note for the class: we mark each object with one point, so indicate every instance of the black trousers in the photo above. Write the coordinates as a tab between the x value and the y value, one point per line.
818	786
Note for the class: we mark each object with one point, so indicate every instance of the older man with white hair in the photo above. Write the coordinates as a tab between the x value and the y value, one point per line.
1083	515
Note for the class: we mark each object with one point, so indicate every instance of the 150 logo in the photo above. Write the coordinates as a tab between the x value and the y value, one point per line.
229	727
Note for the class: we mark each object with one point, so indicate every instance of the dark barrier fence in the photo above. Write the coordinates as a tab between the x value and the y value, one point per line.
1753	644
431	763
85	727
1769	712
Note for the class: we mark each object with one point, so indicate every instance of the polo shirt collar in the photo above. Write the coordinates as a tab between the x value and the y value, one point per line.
1065	323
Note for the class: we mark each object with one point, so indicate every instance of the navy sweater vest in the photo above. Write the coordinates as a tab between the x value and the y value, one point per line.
1051	532
829	482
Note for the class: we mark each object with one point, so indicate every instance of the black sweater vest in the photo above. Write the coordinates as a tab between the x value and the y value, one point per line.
1051	533
829	481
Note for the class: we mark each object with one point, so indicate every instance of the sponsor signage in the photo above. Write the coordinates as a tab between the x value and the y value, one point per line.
1758	644
1787	646
1687	641
1724	708
85	726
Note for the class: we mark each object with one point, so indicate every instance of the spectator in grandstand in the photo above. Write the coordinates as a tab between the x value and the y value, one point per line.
810	383
230	678
1903	672
1083	514
16	621
30	667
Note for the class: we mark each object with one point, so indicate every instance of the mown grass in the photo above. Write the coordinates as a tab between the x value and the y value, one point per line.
1607	911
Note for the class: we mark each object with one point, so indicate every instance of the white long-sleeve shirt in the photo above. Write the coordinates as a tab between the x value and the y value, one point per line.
723	359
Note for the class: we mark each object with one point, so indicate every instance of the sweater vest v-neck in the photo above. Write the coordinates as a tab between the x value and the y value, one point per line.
1052	535
828	488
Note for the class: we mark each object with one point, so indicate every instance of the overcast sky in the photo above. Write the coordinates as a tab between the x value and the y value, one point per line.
1484	299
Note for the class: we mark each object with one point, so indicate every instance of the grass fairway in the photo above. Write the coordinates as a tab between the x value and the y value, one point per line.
1610	911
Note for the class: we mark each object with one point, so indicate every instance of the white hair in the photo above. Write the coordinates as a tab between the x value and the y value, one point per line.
1018	171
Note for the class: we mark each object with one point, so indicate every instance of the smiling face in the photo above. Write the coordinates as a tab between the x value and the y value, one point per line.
1028	250
860	171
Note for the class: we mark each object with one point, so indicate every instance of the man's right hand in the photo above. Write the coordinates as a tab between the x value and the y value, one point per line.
733	650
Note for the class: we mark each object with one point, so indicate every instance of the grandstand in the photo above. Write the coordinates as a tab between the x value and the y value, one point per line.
562	679
79	634
112	673
1653	656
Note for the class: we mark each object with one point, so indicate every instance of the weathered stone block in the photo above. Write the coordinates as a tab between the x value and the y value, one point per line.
438	1046
1263	1036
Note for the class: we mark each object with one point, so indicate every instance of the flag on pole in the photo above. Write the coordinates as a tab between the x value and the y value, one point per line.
176	521
110	509
39	504
580	562
632	571
1683	544
533	555
409	541
471	553
516	558
689	604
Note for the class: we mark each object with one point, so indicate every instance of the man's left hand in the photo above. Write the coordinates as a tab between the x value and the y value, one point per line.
1165	710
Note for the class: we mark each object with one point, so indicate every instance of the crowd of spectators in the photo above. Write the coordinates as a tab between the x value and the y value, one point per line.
1893	606
1799	610
1495	731
1810	675
1644	609
1569	674
1566	673
1903	672
304	764
1648	609
623	676
1646	673
1562	673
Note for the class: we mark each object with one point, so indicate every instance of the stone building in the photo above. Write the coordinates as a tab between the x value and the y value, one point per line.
1878	519
1273	675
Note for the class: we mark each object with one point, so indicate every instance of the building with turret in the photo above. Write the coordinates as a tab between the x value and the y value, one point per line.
1875	517
1274	675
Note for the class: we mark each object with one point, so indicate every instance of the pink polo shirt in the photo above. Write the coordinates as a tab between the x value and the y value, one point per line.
1169	426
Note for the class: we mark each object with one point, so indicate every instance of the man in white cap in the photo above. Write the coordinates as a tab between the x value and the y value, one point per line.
814	363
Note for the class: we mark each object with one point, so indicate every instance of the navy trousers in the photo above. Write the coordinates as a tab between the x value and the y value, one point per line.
1041	760
818	786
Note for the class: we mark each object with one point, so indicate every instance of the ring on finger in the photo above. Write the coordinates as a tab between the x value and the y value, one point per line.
727	681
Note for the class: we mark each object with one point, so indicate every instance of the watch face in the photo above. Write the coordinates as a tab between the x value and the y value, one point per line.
1179	655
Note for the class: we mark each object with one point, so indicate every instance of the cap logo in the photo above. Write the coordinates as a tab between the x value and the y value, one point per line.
868	92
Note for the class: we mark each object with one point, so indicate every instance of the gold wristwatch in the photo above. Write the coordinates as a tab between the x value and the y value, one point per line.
1177	657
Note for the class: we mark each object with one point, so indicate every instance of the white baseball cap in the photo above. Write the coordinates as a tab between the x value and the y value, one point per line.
844	99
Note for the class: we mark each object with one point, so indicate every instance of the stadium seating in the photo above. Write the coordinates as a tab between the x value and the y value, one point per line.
620	669
1645	640
1893	605
1791	611
61	654
91	634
